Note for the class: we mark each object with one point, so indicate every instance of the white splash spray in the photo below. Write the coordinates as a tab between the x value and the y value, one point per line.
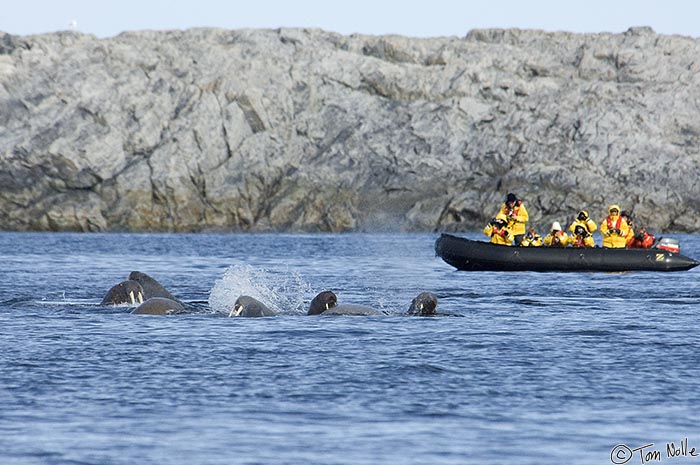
283	291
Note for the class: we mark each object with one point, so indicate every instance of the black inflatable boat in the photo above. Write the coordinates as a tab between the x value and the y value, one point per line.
465	254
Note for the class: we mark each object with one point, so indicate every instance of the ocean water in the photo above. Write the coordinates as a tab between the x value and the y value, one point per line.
543	368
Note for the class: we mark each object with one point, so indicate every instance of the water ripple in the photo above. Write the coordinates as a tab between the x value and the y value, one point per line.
539	364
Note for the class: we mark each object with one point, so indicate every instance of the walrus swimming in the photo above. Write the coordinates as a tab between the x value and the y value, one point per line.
247	306
326	303
159	306
322	302
151	287
424	304
126	292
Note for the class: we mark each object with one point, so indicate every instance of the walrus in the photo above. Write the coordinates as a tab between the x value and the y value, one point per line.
126	292
424	304
151	287
247	306
159	306
326	303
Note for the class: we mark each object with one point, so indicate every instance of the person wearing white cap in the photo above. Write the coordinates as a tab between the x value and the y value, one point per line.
556	237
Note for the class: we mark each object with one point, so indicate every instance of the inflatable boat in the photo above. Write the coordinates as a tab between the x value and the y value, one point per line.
465	254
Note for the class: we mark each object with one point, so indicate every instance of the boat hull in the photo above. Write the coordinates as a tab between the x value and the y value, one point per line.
465	254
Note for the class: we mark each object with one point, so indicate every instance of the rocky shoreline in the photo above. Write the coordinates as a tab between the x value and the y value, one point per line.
308	130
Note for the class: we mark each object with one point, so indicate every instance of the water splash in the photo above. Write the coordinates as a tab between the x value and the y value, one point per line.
283	291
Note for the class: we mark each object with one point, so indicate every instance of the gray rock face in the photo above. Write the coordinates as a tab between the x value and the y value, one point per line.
306	130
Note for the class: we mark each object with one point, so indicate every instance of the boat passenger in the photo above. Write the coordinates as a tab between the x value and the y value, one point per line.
531	239
614	229
582	238
641	240
627	216
498	231
584	220
556	237
516	213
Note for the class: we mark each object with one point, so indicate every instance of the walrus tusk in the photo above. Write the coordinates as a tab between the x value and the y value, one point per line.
131	295
236	311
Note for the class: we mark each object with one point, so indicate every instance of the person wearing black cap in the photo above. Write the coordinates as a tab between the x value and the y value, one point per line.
514	209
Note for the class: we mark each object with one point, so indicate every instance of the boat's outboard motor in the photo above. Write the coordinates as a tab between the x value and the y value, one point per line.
672	245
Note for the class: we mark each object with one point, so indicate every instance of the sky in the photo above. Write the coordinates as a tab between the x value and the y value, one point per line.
107	18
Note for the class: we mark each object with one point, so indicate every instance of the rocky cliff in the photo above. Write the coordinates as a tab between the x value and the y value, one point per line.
306	130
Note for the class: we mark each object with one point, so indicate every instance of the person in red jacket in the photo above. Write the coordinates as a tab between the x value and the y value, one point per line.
642	240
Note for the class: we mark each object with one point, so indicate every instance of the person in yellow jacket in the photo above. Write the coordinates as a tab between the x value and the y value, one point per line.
582	238
584	220
614	229
582	230
531	239
516	213
556	237
498	231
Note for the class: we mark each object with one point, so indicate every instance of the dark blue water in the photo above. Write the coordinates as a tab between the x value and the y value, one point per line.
542	369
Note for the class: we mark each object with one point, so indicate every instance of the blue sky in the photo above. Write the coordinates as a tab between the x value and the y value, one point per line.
106	18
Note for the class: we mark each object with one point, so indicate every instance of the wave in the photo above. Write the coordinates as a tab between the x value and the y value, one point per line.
283	291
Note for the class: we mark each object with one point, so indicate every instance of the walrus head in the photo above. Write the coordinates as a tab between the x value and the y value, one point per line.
126	292
248	306
424	304
322	302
